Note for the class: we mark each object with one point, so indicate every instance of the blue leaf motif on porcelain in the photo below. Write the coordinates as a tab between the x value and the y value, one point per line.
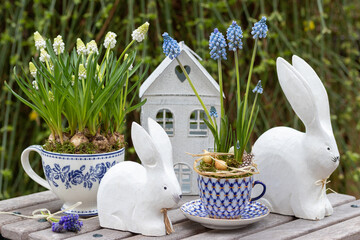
75	177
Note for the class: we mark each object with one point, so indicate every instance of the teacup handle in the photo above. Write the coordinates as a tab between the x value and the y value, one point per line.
261	194
27	167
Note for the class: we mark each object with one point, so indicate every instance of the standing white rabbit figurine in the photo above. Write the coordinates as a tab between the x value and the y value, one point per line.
131	196
295	165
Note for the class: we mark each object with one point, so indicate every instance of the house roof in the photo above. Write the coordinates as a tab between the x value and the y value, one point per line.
193	56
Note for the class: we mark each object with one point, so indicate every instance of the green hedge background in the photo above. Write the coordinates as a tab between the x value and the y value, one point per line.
323	32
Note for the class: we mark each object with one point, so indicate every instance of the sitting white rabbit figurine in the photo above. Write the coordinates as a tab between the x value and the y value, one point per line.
295	165
131	196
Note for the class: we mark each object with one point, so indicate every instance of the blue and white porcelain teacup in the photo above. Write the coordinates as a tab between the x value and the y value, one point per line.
226	198
73	177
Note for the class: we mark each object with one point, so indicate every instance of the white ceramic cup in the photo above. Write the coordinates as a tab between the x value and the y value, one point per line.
72	177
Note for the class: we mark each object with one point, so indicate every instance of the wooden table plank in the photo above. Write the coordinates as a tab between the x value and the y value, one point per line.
182	230
28	200
345	230
103	234
301	227
270	221
90	225
52	206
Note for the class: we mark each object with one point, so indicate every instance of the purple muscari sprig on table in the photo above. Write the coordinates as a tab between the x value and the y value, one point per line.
69	223
171	47
234	36
217	45
260	29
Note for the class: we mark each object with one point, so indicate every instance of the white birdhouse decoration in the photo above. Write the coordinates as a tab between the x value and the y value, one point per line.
172	102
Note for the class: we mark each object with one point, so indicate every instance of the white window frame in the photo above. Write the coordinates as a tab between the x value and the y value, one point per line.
198	122
179	172
170	131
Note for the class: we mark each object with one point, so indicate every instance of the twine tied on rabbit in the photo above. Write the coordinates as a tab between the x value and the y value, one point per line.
168	226
322	183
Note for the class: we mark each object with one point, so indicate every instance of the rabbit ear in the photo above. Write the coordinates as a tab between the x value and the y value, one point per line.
297	91
144	146
161	141
318	89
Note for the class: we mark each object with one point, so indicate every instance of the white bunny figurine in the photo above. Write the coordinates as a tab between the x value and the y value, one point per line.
131	196
295	165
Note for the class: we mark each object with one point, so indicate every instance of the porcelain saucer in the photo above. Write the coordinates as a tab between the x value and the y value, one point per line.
195	211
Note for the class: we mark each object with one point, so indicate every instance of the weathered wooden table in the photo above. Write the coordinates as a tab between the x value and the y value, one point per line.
343	224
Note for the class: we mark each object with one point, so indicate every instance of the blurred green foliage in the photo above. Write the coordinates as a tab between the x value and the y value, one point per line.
323	32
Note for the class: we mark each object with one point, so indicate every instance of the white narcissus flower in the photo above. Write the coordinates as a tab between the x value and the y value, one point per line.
139	33
110	40
39	41
32	69
58	45
82	71
92	47
44	56
80	47
35	85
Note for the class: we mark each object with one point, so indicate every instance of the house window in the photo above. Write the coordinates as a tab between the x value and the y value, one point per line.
197	125
183	174
165	118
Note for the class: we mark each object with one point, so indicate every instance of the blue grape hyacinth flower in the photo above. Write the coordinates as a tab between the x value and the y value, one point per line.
234	36
213	112
260	29
217	45
69	223
171	47
258	88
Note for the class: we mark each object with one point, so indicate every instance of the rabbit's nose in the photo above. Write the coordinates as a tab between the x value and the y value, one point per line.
338	158
180	196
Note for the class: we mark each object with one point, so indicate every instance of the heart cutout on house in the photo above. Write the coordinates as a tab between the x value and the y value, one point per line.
179	73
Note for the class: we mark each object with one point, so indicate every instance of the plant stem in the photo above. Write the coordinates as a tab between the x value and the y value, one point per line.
237	78
196	93
221	89
251	115
248	81
125	50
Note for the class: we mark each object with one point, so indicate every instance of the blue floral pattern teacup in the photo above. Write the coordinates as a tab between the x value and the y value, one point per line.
226	198
73	177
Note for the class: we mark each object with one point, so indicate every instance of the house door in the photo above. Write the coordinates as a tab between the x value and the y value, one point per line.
183	174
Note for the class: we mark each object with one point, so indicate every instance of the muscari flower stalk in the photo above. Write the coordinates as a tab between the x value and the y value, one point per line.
234	36
258	88
82	71
58	45
140	33
44	56
260	29
51	96
110	40
92	47
131	66
217	45
170	46
171	49
213	112
32	69
39	41
35	85
80	47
